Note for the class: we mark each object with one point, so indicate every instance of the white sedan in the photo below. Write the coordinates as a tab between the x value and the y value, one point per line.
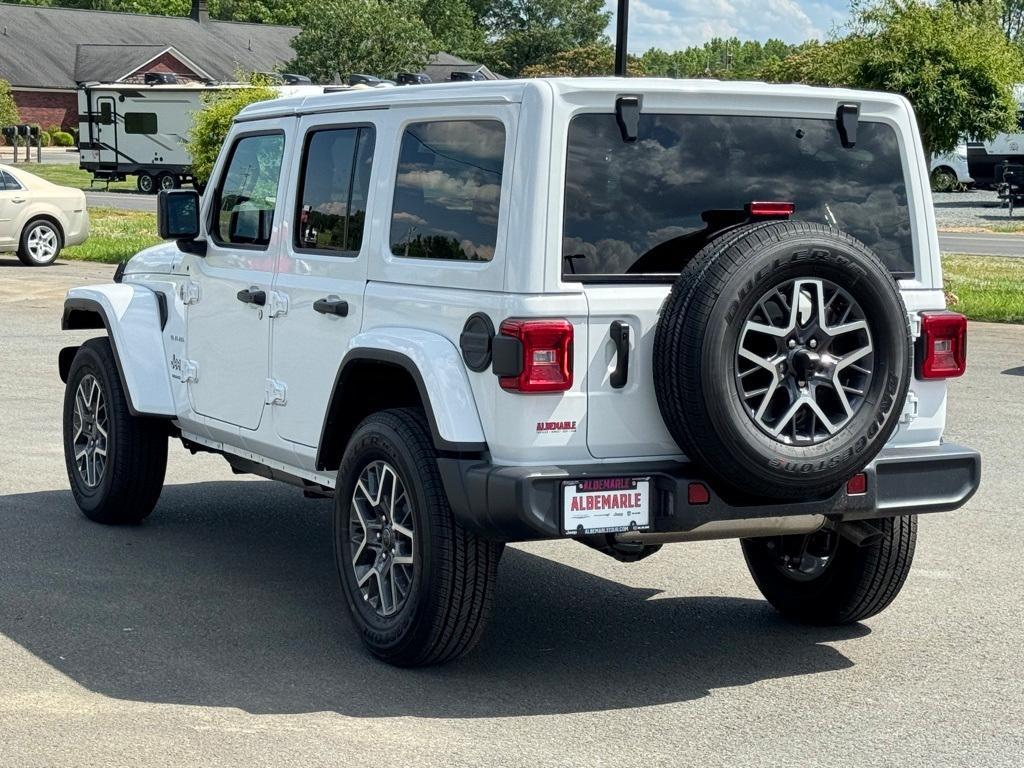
950	170
37	218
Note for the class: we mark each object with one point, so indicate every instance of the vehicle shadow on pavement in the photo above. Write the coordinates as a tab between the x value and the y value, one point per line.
227	597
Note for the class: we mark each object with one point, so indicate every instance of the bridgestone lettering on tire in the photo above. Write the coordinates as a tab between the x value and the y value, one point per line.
782	358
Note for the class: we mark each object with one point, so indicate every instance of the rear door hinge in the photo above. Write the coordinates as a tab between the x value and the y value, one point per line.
276	391
189	371
277	304
189	292
910	409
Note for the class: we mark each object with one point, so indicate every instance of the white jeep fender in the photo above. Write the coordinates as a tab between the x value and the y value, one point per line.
134	317
436	365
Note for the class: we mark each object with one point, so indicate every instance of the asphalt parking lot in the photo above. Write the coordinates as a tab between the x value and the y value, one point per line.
214	633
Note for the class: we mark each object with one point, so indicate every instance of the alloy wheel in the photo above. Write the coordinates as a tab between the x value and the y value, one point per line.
804	361
382	538
91	426
41	243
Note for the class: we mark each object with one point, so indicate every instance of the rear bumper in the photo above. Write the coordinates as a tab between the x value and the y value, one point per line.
524	503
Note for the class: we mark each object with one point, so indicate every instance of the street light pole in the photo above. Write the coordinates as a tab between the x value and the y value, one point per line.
621	33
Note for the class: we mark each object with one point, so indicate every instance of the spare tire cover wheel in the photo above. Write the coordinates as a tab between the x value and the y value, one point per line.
783	359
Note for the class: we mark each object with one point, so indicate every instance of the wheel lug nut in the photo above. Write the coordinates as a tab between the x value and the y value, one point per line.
792	343
814	343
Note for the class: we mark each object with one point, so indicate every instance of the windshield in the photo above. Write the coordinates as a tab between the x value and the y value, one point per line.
645	208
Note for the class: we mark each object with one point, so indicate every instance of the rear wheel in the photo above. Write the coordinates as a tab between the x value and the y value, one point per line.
41	243
943	180
115	461
168	181
419	587
823	578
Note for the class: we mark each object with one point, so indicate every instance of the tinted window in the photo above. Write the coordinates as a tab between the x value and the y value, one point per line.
106	112
8	182
335	184
244	210
648	206
448	190
140	122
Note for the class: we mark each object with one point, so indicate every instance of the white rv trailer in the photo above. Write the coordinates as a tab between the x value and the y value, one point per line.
130	129
986	158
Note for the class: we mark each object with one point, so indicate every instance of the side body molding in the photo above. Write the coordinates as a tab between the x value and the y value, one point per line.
436	367
134	317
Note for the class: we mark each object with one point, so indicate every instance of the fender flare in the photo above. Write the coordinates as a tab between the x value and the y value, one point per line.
436	367
134	318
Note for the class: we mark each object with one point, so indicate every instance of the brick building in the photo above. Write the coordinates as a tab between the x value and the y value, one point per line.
46	52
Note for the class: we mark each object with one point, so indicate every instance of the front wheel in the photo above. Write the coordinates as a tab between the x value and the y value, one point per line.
823	578
146	183
115	461
419	586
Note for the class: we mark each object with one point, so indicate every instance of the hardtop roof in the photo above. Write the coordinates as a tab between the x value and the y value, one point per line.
512	91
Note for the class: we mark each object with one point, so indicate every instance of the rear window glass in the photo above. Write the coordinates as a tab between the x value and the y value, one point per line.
448	190
646	208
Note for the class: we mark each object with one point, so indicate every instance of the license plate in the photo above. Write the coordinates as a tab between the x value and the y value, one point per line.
606	505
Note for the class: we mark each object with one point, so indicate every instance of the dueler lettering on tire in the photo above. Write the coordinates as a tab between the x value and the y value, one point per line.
782	358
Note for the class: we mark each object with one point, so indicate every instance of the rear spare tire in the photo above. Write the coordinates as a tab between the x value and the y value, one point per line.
782	358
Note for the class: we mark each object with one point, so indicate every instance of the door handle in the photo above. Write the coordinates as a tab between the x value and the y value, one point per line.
252	295
619	332
18	200
329	306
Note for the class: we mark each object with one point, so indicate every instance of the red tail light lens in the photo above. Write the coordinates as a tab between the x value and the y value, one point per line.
942	348
547	355
771	209
857	485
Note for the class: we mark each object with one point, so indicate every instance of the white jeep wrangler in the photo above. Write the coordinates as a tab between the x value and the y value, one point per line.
628	312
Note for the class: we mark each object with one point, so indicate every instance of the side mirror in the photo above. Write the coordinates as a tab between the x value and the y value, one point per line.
177	218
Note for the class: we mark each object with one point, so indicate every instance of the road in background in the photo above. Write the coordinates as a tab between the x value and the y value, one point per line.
125	201
982	244
215	633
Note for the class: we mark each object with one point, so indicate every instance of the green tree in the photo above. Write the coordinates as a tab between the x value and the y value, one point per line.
456	27
8	109
951	60
376	37
525	32
588	60
211	124
725	59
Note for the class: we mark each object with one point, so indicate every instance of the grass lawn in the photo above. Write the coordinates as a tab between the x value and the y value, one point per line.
70	176
989	288
115	235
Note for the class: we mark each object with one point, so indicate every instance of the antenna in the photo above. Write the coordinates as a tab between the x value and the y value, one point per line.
621	33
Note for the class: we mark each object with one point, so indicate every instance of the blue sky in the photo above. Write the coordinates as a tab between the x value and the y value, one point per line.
673	24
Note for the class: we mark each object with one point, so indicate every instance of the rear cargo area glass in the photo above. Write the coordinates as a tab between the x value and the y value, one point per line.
644	208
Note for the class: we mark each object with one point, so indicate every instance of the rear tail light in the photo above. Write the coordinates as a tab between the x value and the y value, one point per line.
771	209
546	358
942	348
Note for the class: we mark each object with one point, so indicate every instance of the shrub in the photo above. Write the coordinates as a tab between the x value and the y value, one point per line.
44	139
210	125
62	139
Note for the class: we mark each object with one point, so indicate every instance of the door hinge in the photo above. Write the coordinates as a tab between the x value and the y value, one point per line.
189	292
910	409
189	371
277	392
277	304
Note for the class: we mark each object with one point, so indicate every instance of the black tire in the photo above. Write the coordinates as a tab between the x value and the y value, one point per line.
132	475
857	583
167	181
29	254
146	184
696	368
943	179
454	572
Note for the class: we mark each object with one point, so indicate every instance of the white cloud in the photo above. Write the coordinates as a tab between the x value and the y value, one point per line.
675	24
